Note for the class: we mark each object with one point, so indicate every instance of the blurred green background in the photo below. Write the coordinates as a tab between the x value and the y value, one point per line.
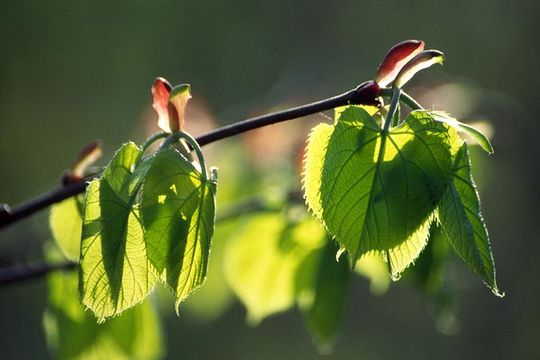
75	71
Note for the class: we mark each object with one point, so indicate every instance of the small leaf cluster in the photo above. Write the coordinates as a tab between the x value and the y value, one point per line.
377	184
144	220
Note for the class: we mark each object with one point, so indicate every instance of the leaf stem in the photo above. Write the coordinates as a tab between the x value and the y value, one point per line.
153	138
405	98
174	137
396	92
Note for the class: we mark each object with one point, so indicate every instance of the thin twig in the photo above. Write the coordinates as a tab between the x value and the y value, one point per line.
256	204
20	273
9	215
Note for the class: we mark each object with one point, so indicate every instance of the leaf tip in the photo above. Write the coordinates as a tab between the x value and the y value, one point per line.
497	292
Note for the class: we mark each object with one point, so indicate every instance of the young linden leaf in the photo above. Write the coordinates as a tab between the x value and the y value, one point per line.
474	133
178	214
65	222
73	333
462	222
262	266
376	191
115	273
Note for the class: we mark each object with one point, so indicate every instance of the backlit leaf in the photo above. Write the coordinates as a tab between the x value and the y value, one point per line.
462	221
263	260
376	191
178	214
474	133
65	221
115	273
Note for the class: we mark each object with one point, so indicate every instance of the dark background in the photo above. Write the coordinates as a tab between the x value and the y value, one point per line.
74	71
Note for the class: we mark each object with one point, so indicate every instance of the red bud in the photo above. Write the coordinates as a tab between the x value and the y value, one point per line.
88	156
178	99
421	61
161	90
395	59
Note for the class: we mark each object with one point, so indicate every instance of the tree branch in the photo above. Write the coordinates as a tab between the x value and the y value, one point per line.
9	215
20	273
358	95
256	204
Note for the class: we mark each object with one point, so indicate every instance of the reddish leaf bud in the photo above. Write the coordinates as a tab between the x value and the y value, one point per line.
178	99
170	104
161	90
395	59
421	61
87	157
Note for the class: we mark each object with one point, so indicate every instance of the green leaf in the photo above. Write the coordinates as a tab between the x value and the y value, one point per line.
178	214
262	266
376	191
462	221
65	222
474	133
73	333
324	316
115	273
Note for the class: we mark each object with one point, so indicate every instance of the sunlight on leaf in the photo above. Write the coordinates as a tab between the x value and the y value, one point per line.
376	191
115	273
463	223
261	266
65	222
474	133
178	214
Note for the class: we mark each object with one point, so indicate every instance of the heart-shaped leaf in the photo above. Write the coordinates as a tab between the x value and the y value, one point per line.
178	214
263	260
376	191
115	273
